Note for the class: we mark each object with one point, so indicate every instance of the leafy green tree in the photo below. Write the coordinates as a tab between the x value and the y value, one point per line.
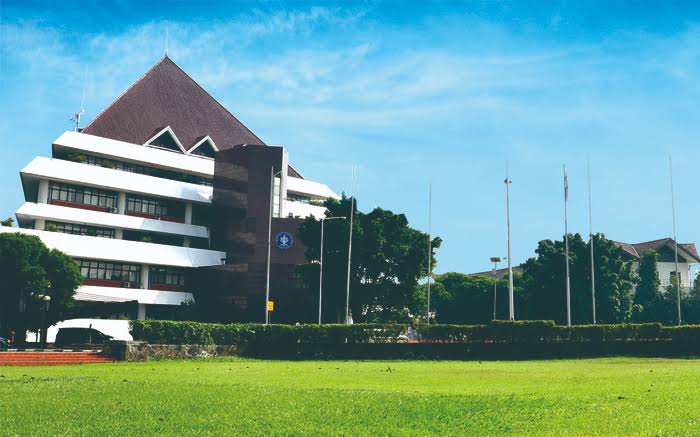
30	270
457	298
544	282
648	299
9	222
388	260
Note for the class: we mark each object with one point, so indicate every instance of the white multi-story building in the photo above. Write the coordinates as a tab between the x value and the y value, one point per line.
666	264
130	196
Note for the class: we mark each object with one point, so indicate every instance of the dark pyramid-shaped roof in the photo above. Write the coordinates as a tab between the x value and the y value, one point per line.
167	96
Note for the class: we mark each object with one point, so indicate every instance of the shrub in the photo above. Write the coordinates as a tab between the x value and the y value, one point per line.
501	332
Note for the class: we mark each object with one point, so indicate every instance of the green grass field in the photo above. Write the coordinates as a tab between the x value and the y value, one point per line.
621	396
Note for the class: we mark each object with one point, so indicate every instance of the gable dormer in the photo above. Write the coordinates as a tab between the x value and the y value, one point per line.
166	139
204	148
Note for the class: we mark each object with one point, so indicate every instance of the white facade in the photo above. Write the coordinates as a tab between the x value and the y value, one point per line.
666	269
93	202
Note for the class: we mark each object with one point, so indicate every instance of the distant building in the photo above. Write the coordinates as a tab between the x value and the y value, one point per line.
498	272
665	247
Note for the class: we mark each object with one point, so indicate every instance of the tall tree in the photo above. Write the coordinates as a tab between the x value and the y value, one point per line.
30	270
648	300
458	298
388	259
544	283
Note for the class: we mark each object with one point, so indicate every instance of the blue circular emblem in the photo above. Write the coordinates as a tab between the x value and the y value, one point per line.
284	240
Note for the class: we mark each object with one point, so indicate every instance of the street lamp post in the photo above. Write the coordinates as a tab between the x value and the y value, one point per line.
495	260
46	300
269	242
320	268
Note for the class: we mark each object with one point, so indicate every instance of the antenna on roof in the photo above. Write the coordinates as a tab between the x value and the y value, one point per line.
76	117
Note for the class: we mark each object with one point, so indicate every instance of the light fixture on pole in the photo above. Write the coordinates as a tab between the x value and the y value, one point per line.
511	303
269	242
495	260
320	267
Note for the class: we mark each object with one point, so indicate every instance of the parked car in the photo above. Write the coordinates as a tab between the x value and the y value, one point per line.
80	336
4	343
117	329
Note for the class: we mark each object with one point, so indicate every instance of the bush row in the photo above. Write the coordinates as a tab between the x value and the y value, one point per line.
171	332
519	332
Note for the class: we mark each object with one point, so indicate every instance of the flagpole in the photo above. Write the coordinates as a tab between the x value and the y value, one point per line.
430	242
511	303
675	240
590	227
352	213
566	239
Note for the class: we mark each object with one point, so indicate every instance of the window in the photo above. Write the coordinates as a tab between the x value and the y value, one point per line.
166	139
76	229
99	161
109	271
146	205
166	276
298	198
82	195
202	215
276	198
205	148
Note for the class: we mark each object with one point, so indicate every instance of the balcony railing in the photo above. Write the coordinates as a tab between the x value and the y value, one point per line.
166	218
110	283
80	205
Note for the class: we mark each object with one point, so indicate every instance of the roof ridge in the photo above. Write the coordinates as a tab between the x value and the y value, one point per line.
212	97
653	241
129	88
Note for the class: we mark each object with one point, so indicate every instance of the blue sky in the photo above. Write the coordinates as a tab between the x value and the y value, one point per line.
405	90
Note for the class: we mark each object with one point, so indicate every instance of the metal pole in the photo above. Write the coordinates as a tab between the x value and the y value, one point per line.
320	274
511	305
352	212
269	244
430	241
675	240
590	226
566	240
495	285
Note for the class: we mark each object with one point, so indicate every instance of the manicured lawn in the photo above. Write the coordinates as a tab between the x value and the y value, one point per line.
619	396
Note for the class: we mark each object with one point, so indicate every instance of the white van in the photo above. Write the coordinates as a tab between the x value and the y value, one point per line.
117	329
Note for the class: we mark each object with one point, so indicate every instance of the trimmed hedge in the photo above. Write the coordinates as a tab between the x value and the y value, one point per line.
497	340
171	332
537	331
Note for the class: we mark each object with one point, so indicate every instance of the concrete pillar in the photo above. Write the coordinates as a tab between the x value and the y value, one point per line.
283	183
188	213
39	224
118	234
144	285
186	242
144	276
43	193
121	203
142	312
